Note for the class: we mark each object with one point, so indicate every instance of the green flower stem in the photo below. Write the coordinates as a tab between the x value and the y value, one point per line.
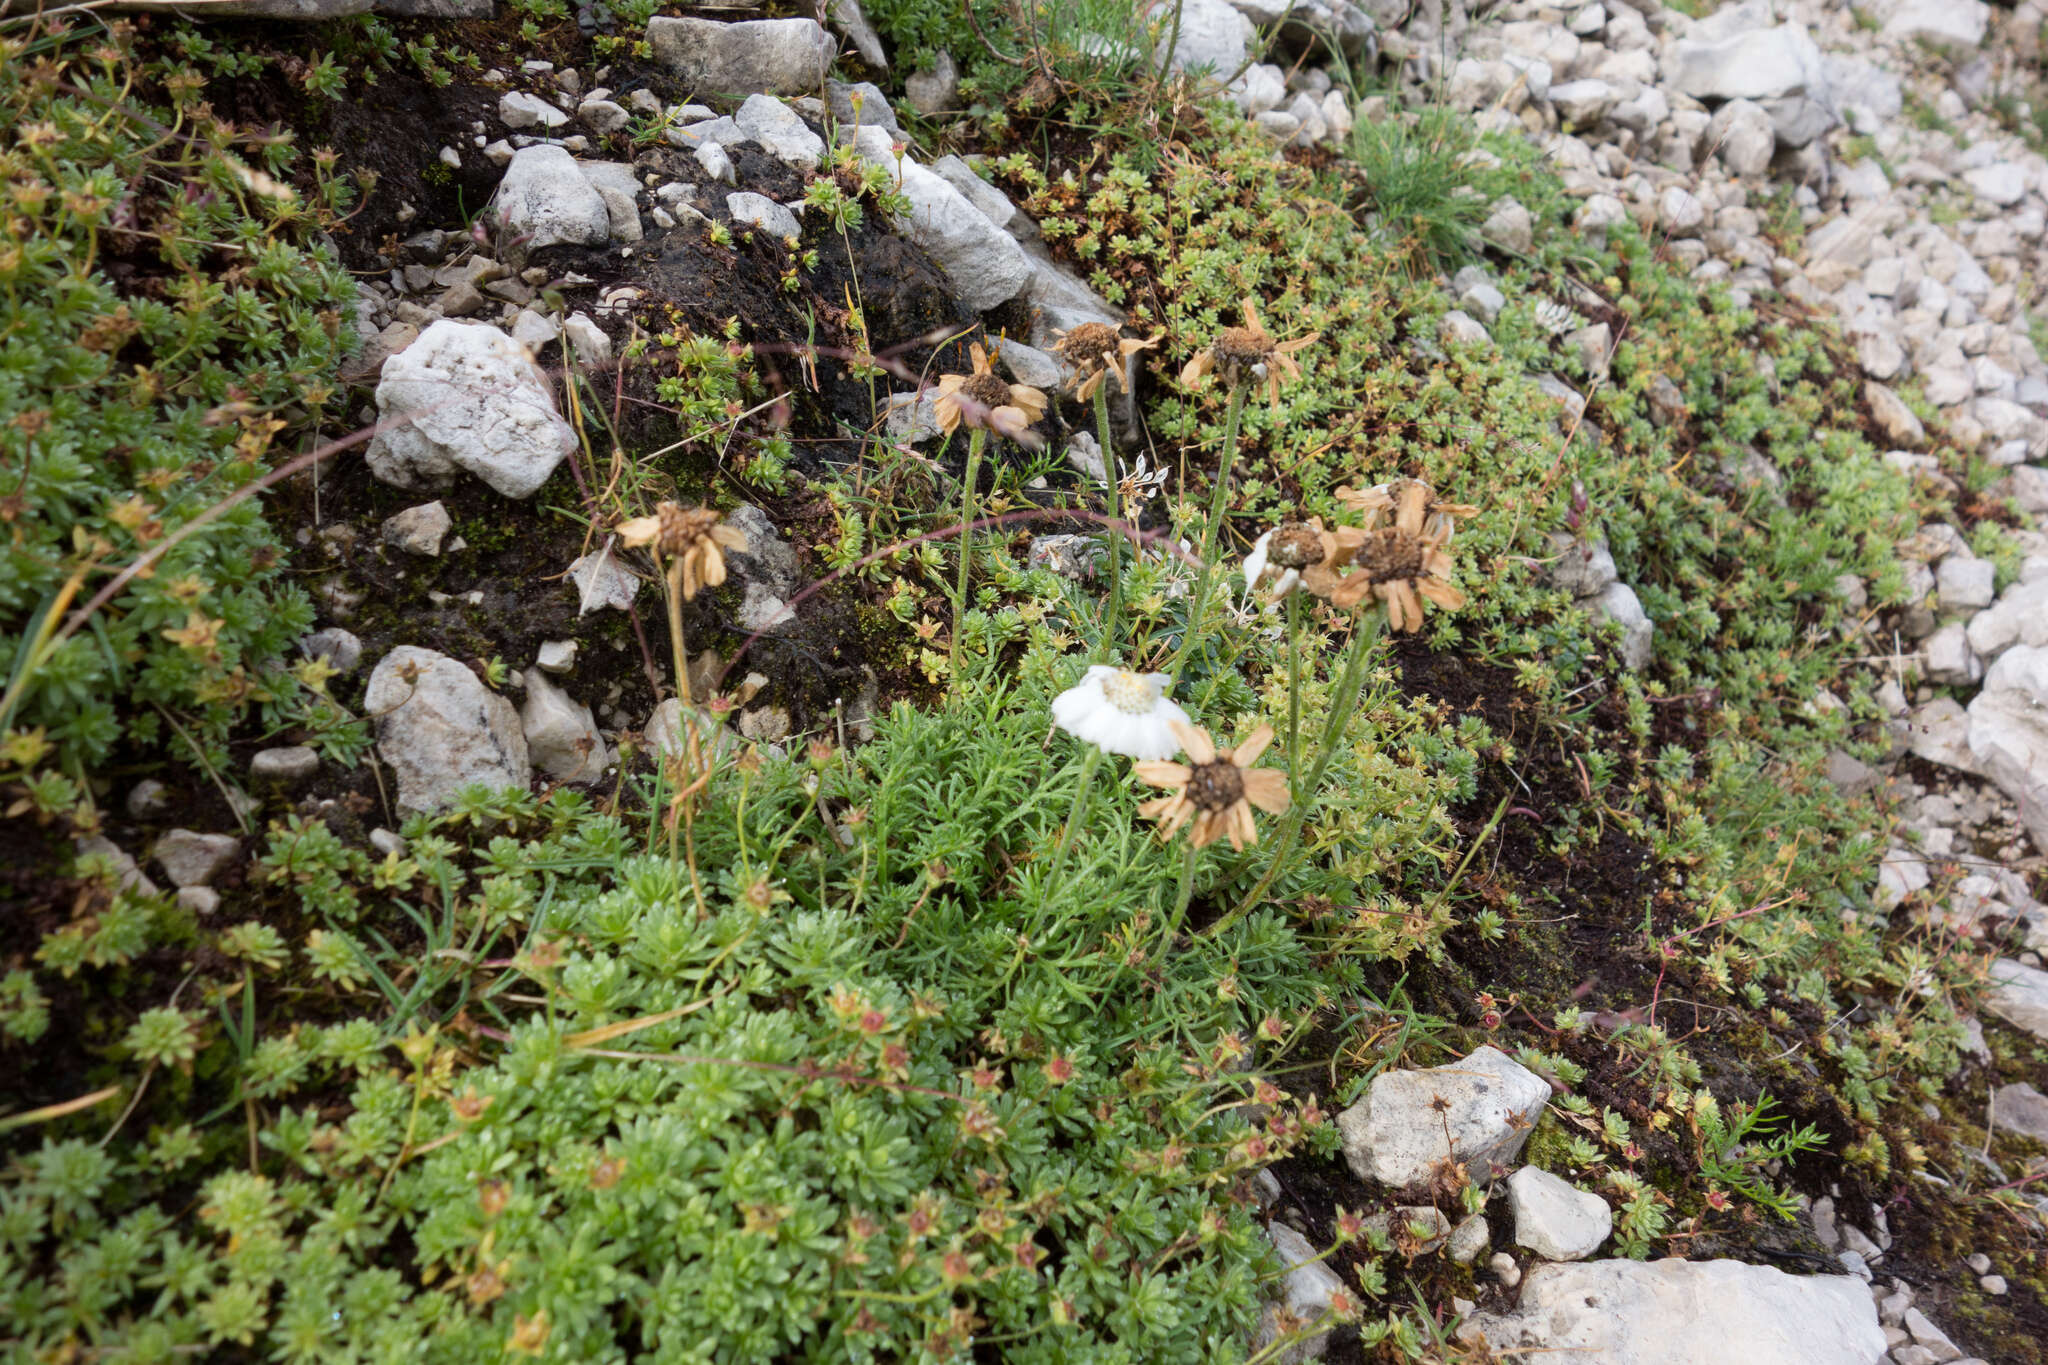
1210	533
1083	788
1182	895
1294	687
975	437
1112	622
1365	633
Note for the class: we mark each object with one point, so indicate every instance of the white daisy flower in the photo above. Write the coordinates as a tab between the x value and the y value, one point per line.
1121	712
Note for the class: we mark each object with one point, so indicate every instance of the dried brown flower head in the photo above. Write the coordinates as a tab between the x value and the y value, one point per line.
1301	554
1248	354
983	399
1097	351
693	539
1404	563
1215	788
1439	518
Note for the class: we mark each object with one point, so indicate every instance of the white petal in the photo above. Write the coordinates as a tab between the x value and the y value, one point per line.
1072	708
1255	561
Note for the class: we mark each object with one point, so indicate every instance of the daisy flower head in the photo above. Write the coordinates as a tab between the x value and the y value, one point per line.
1404	564
1301	554
1248	354
1439	518
1215	788
984	399
694	538
1121	712
1097	351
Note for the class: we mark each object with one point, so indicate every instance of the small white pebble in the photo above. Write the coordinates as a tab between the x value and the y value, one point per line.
1993	1284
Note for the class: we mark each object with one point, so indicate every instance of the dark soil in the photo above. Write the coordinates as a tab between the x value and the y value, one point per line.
1581	942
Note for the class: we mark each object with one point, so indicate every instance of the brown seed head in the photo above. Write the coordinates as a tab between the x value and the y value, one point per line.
1390	555
1216	786
1295	545
682	527
986	389
1090	346
1238	349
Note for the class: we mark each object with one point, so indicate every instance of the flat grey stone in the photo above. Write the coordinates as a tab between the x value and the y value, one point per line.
1397	1133
772	56
1676	1312
189	858
290	766
441	730
1554	1219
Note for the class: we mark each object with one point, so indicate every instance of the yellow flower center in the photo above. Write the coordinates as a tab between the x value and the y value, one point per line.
1129	692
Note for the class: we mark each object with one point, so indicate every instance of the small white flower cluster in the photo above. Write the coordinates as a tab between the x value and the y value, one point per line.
1121	712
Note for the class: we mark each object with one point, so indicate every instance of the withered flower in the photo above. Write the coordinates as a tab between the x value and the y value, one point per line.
1248	354
1404	563
1301	554
1216	788
1440	518
695	539
986	400
1097	351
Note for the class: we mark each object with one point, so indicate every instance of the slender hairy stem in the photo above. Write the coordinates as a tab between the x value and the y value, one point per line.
1083	787
1294	688
1173	41
1211	532
675	631
1112	623
1182	895
975	437
1365	633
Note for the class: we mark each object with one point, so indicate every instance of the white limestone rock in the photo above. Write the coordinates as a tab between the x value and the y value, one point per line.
2019	995
562	737
984	264
1744	137
772	56
1756	64
601	581
779	131
1306	1288
1396	1134
519	110
1554	1219
441	730
853	25
190	858
418	530
466	398
2009	733
2018	617
1949	659
759	211
1965	582
1955	26
1213	39
546	199
1676	1312
342	650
